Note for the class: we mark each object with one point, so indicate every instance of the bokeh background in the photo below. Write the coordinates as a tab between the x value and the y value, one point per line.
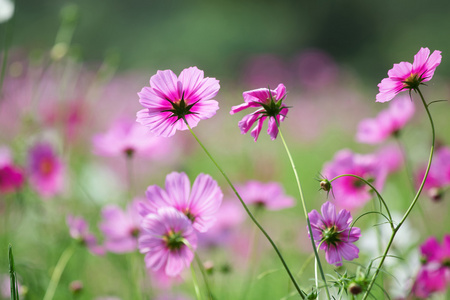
330	55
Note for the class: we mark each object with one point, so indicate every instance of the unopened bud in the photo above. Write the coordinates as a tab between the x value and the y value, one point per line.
76	287
209	267
325	185
354	288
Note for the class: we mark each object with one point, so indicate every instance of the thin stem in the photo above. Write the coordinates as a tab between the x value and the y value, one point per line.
57	272
205	276
129	163
301	293
194	280
305	212
9	26
416	198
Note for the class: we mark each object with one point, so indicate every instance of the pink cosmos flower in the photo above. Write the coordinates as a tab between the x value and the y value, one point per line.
169	99
120	228
439	175
267	195
434	275
350	192
406	76
332	233
79	230
199	204
11	177
126	137
46	171
270	106
388	122
163	240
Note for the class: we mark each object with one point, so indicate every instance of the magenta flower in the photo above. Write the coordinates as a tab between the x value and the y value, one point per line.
120	228
439	175
11	177
164	241
79	230
46	171
267	195
128	138
332	233
169	100
270	104
434	274
199	204
350	192
388	122
406	76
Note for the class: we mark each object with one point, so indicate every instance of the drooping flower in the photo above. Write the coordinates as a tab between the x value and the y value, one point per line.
120	228
267	195
165	239
333	234
169	99
434	274
46	171
11	176
270	105
79	230
438	178
406	76
199	204
128	138
388	122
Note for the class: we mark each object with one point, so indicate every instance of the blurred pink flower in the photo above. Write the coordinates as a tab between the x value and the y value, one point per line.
388	122
270	104
268	195
163	241
439	175
263	70
170	99
199	204
46	170
120	228
79	230
127	138
315	69
406	76
434	275
11	176
350	192
333	234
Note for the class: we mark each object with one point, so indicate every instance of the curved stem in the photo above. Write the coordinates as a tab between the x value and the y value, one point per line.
57	272
319	264
205	277
372	282
194	280
301	293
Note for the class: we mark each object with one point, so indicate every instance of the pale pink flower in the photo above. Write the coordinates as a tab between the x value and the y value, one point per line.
199	204
268	195
332	233
263	70
389	122
439	175
128	138
270	105
315	69
165	239
406	76
120	228
46	170
169	99
79	230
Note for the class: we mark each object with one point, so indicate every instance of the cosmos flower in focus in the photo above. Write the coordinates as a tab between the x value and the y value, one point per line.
46	170
169	99
164	241
332	233
199	204
388	122
270	105
406	76
269	195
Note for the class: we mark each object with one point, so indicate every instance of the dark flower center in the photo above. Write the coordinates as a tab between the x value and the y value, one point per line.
46	166
174	240
413	81
272	108
180	108
190	216
330	235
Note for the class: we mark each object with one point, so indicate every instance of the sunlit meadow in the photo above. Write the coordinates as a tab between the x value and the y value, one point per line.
248	174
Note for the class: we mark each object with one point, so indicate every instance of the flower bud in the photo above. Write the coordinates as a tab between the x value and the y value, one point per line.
325	185
354	288
76	287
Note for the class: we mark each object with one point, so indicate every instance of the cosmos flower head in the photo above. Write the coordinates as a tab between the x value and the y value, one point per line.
333	234
268	195
388	123
168	241
171	99
270	105
199	204
11	176
438	178
79	230
405	76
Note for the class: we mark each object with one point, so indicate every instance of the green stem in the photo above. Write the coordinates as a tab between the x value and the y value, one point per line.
416	198
305	212
301	293
57	272
9	26
194	280
205	276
